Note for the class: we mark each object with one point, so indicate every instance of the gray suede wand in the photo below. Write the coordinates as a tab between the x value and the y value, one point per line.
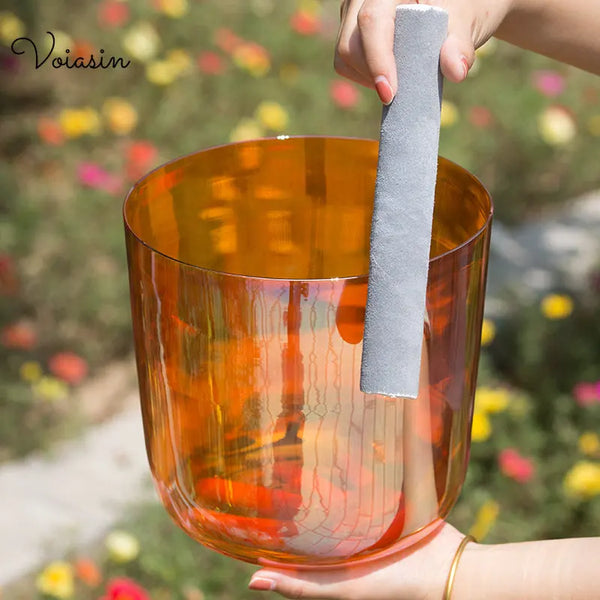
403	208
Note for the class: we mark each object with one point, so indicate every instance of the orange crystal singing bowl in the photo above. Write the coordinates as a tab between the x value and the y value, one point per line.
247	267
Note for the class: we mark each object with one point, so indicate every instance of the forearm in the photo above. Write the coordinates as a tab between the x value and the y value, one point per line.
553	569
566	31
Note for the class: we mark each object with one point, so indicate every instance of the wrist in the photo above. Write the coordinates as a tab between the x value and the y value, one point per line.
466	568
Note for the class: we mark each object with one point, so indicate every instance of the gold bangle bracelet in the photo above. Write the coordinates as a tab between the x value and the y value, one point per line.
454	566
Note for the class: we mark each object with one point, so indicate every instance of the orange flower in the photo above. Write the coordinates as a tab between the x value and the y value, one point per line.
227	40
20	336
253	58
68	366
50	131
305	22
87	571
82	48
141	156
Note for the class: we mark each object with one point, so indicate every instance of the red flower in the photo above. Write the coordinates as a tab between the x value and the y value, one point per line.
113	13
87	571
68	366
19	335
210	63
344	93
122	588
305	23
9	282
515	466
480	116
140	157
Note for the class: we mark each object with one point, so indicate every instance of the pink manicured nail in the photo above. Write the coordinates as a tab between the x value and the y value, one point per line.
384	89
465	64
262	583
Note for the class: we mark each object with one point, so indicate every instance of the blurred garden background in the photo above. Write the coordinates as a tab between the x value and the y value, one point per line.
202	73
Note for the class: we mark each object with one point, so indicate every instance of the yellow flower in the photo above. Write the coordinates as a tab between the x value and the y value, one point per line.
180	60
246	129
449	114
481	428
76	122
30	371
51	389
272	116
556	126
120	115
488	332
56	580
589	443
141	41
583	480
11	27
488	400
556	306
122	546
486	517
173	8
312	7
594	125
162	72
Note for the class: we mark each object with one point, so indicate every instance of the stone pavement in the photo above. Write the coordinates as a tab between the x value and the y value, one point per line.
561	249
51	504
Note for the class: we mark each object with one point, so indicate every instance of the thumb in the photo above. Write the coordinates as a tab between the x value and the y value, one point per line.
325	585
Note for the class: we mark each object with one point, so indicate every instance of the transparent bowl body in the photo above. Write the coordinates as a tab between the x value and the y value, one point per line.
247	267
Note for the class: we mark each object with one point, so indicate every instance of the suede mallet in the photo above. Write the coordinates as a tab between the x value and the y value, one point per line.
403	208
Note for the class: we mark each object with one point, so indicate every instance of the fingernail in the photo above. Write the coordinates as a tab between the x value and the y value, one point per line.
384	89
262	583
465	64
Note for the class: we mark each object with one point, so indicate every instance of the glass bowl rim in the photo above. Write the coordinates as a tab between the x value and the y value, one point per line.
439	257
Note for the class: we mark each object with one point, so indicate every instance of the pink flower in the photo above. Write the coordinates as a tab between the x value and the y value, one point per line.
344	93
549	83
210	63
68	366
112	13
94	176
586	394
515	466
480	116
20	336
305	23
122	588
